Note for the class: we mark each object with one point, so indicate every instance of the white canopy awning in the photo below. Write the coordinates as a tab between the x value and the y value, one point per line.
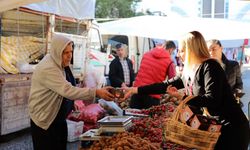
173	28
11	4
79	9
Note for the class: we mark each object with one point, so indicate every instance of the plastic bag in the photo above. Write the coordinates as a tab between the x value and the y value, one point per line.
94	78
79	105
92	113
25	67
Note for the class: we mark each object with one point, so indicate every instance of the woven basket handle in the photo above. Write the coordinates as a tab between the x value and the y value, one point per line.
177	111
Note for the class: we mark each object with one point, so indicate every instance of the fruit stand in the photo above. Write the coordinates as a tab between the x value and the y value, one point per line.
146	132
171	125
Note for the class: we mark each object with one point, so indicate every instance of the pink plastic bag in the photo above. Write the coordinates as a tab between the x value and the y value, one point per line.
92	113
79	105
89	114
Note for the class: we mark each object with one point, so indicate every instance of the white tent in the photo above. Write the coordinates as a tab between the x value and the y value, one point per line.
173	28
10	4
80	9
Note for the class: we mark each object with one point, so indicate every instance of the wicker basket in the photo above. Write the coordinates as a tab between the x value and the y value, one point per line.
180	133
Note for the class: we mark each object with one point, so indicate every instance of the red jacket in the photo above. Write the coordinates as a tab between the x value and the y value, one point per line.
153	68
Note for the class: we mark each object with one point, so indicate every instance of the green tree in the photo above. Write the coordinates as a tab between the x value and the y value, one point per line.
115	8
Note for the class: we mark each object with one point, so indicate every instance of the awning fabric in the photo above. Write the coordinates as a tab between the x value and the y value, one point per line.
173	28
79	9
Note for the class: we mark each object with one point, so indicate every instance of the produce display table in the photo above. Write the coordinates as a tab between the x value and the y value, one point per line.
147	132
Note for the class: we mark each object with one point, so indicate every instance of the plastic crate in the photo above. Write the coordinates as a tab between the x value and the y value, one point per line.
75	129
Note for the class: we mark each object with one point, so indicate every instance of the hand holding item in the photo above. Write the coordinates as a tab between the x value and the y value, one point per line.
238	93
128	91
176	82
123	85
173	91
105	94
117	92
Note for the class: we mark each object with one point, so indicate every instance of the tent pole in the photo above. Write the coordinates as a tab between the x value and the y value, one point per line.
137	54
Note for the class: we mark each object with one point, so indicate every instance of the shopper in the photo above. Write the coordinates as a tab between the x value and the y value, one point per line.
231	67
52	93
156	66
121	72
208	84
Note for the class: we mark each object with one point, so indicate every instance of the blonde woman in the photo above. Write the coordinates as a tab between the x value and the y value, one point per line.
209	84
206	80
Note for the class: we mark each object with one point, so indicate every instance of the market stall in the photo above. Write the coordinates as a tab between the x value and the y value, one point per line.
137	128
147	129
25	35
23	41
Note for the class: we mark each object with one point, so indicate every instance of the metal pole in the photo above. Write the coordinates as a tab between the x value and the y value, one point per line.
212	8
241	58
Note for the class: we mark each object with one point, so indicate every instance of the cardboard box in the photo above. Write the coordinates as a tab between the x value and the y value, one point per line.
188	112
199	122
214	126
205	123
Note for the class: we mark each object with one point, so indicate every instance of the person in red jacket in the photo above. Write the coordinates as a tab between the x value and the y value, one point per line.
156	66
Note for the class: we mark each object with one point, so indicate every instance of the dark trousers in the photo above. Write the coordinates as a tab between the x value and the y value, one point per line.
234	137
143	101
54	138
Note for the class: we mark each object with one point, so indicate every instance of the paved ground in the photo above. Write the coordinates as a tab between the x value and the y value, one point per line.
22	140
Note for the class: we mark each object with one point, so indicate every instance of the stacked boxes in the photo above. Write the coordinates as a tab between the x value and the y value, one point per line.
205	123
193	117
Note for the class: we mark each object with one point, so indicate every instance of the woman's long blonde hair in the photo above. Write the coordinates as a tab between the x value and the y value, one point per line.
195	47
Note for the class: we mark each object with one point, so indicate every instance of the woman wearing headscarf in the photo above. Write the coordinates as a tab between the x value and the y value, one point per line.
52	93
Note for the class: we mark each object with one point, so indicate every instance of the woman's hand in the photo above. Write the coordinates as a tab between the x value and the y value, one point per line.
173	91
123	85
105	94
129	91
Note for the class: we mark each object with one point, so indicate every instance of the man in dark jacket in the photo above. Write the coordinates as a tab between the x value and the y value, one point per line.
121	72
